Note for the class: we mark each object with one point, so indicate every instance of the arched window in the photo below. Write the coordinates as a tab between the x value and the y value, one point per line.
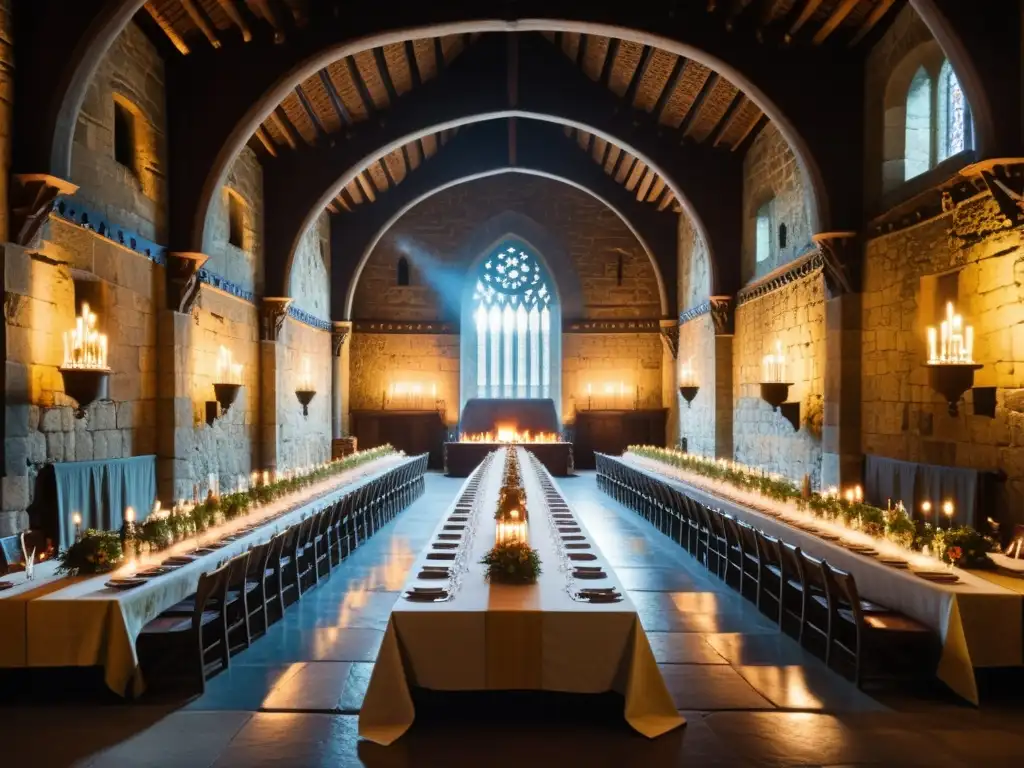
917	155
512	307
954	115
402	272
236	219
763	232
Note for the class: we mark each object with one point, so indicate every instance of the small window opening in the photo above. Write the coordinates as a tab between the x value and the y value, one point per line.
763	243
236	220
783	235
402	278
124	136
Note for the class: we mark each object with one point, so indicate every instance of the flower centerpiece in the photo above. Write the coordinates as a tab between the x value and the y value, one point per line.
512	562
95	552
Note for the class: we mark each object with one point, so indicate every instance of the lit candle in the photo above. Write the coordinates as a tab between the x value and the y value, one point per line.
858	494
926	508
129	515
948	510
932	341
266	477
76	519
849	496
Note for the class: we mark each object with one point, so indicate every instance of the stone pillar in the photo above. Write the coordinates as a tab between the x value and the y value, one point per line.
339	333
842	455
670	378
723	315
175	422
6	109
273	313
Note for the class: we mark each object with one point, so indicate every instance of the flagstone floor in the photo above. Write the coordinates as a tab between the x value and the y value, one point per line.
751	696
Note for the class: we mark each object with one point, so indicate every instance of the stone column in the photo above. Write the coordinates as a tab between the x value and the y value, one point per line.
273	313
175	423
723	319
339	333
670	378
842	455
6	109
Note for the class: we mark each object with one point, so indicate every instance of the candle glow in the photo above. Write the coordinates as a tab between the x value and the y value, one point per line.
84	345
774	366
228	371
687	378
954	341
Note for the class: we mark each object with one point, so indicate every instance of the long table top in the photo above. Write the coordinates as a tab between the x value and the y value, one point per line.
979	621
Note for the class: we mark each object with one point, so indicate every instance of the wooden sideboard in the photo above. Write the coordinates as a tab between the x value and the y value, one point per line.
612	431
414	432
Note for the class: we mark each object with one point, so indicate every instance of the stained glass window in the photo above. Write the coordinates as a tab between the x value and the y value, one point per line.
512	319
954	115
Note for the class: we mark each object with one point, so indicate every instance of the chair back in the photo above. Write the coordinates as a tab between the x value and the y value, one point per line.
211	592
259	556
767	548
238	567
791	562
748	539
842	588
814	572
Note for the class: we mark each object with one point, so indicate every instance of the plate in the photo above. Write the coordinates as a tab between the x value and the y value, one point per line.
577	545
444	545
894	562
573	537
582	556
428	590
129	583
180	560
419	598
589	575
574	529
454	527
6	585
449	536
440	555
432	575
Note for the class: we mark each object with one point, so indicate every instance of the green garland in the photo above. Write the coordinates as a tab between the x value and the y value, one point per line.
514	562
95	552
894	525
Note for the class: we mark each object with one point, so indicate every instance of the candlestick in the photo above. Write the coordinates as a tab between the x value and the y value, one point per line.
76	520
129	515
926	508
948	510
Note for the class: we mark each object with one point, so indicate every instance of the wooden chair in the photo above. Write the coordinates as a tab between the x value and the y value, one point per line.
876	635
256	585
305	558
770	585
273	581
201	639
751	563
733	552
322	543
817	612
238	602
289	566
793	602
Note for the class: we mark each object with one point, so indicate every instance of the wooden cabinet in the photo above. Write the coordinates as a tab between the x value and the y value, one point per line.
613	431
414	432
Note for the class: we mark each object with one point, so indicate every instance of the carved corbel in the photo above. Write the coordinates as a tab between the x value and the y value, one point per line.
272	315
32	198
339	333
723	315
670	337
1005	181
183	280
840	261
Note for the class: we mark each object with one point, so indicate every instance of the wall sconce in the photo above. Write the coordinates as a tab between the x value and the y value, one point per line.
305	391
951	363
688	386
775	388
226	388
85	372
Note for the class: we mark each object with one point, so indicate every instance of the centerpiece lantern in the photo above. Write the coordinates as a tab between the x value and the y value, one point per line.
951	363
85	372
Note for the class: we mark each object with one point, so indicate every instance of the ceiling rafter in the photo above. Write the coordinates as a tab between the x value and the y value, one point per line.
839	13
670	86
366	185
168	28
439	62
646	55
581	51
283	124
236	18
881	8
611	53
360	84
387	172
810	6
726	119
201	20
698	102
318	126
385	75
751	132
266	141
335	99
410	60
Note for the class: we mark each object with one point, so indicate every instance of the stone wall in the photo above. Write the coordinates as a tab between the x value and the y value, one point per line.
771	172
310	279
434	234
794	315
6	106
126	290
132	72
600	359
903	418
378	360
304	440
694	266
229	447
241	265
697	422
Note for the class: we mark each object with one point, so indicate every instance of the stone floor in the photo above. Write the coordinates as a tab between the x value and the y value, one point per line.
750	695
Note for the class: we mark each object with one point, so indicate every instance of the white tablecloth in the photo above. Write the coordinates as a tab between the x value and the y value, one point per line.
503	637
979	622
89	624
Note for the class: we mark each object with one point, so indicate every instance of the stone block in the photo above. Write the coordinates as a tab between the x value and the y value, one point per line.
15	492
83	446
51	420
33	417
17	453
55	446
16	420
102	416
124	415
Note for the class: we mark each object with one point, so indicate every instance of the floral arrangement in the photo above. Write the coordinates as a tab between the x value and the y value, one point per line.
962	546
512	496
95	552
513	562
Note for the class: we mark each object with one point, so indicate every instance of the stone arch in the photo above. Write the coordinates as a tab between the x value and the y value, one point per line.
531	232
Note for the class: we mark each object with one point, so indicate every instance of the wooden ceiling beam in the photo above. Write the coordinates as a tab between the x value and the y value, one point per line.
645	184
438	54
670	86
346	198
751	134
336	102
307	106
366	185
723	123
414	67
168	29
881	8
657	190
357	81
738	7
632	166
646	55
201	20
618	162
604	155
280	119
331	208
695	107
581	50
236	18
666	198
387	172
611	53
385	75
839	13
340	200
406	160
264	9
589	148
810	6
266	141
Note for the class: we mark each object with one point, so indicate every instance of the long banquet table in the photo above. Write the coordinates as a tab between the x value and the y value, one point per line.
503	637
81	622
978	621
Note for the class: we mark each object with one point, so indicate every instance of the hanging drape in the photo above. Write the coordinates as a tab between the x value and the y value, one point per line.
907	481
101	490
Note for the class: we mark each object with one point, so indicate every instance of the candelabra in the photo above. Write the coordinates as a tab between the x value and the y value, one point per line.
688	386
85	372
951	363
305	391
775	388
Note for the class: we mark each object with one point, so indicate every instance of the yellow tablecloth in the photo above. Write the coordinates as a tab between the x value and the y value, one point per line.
501	637
978	621
84	623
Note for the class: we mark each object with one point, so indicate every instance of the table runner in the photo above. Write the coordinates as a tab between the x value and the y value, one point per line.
534	637
979	622
88	624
